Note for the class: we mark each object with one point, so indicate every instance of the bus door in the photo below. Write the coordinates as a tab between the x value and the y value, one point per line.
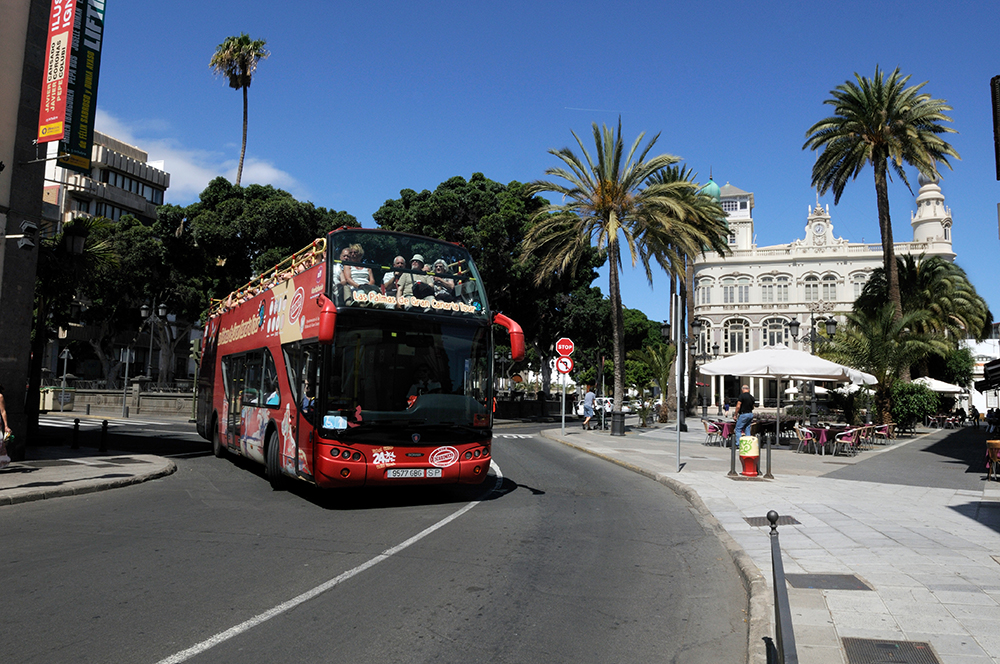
233	368
302	364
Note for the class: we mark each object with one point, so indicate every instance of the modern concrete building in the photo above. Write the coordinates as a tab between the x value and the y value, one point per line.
121	181
746	301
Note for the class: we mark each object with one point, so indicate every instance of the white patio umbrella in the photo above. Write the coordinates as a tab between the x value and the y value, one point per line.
781	362
819	390
938	386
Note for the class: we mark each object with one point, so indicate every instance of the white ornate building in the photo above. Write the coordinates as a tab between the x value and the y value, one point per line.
746	300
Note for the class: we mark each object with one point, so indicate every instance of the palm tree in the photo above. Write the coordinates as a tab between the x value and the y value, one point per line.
659	359
706	213
609	199
237	58
881	122
940	288
881	344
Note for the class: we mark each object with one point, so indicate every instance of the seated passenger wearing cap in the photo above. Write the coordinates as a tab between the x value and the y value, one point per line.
416	282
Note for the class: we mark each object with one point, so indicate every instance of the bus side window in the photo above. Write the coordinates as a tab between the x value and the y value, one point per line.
270	389
302	362
253	380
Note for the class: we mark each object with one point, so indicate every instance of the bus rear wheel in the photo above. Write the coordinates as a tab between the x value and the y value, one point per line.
273	462
218	449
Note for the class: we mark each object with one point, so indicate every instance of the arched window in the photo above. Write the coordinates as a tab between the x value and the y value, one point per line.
735	336
858	282
703	293
703	344
812	288
767	289
781	289
775	331
729	291
743	290
829	288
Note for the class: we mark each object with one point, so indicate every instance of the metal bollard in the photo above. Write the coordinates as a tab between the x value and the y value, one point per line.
88	409
104	437
784	638
76	433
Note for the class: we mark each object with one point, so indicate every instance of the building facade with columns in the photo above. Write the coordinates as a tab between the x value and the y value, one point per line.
746	300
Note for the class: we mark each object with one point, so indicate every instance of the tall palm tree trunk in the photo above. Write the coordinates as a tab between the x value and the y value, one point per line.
888	246
617	324
243	150
885	227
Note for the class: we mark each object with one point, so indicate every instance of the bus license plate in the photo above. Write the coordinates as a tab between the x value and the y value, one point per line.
411	473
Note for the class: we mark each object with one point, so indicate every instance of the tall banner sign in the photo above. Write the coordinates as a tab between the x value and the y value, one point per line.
52	115
81	99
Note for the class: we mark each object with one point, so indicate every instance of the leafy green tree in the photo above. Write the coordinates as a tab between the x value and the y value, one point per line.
880	121
490	219
247	230
912	402
236	58
61	270
610	199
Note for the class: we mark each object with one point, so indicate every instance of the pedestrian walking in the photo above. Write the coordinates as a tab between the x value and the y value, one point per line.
744	411
588	406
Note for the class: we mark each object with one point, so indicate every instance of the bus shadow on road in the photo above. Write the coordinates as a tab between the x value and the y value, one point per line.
373	498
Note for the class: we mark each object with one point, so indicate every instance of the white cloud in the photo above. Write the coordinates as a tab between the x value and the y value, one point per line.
192	169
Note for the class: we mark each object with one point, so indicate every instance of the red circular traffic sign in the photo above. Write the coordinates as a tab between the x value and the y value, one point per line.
564	347
564	364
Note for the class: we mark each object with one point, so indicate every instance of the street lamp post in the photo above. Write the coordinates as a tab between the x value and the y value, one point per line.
814	338
152	319
504	360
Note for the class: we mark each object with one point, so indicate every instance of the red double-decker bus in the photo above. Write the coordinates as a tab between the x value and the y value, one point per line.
364	359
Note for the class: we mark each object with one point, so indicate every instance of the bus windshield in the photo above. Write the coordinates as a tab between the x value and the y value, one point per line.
389	371
407	273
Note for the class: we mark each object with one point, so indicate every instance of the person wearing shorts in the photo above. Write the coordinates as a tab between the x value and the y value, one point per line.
588	407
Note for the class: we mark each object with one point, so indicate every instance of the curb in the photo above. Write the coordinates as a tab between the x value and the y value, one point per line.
758	607
91	487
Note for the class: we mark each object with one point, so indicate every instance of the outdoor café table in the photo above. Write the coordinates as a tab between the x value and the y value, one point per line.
728	429
820	436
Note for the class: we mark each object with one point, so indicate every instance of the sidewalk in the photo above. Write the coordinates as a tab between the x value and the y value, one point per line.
52	472
926	561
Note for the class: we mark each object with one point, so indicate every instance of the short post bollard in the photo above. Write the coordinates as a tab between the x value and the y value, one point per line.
76	434
784	638
88	409
104	437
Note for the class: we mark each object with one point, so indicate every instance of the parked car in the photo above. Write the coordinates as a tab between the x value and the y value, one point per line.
603	403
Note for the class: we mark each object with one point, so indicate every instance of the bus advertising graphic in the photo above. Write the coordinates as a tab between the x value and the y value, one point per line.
363	359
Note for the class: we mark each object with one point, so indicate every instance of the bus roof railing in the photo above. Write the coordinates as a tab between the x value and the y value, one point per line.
301	260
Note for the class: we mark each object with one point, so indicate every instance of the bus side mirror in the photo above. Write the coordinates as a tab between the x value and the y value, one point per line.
516	336
327	319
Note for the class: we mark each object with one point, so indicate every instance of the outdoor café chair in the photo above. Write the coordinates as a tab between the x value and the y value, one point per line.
806	439
992	459
847	442
713	433
884	433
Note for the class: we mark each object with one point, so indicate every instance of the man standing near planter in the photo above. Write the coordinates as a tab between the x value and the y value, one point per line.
744	412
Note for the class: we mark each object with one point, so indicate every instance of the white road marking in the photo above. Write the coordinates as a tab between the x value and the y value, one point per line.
221	637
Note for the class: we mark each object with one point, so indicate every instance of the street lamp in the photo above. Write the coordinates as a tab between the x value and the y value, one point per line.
147	315
813	338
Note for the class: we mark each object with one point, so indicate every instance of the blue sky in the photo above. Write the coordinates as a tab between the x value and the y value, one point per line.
361	100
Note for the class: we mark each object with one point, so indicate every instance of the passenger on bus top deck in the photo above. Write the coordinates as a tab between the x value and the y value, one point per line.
357	276
415	282
391	279
444	285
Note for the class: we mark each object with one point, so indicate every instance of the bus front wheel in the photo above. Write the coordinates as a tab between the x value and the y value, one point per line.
273	465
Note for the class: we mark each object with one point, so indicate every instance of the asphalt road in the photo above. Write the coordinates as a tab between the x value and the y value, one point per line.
569	559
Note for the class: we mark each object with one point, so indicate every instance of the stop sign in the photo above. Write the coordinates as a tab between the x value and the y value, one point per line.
564	346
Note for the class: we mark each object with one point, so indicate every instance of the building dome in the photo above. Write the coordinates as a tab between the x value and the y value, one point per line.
711	189
923	180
